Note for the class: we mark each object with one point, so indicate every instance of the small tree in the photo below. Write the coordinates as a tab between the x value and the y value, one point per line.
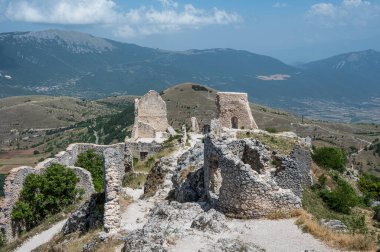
342	198
330	158
45	194
93	163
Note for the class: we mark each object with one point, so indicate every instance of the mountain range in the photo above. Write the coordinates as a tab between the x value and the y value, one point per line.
57	62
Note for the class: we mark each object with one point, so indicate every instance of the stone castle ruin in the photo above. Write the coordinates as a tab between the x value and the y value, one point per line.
151	126
114	169
150	117
241	180
240	177
233	111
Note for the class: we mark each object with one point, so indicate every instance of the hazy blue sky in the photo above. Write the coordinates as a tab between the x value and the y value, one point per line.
290	30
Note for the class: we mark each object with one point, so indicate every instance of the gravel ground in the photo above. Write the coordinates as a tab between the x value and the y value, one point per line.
272	235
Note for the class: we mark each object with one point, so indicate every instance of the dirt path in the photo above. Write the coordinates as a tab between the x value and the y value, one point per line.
272	235
134	216
41	238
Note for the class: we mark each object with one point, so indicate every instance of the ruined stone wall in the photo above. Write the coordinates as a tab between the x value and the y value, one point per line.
14	183
113	163
150	116
294	171
240	182
136	147
233	108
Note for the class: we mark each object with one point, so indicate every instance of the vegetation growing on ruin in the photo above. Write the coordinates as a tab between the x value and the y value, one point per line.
284	145
330	158
44	195
143	168
93	163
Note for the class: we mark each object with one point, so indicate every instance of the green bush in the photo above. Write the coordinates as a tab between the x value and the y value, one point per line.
370	186
93	163
45	194
2	179
330	158
342	198
271	130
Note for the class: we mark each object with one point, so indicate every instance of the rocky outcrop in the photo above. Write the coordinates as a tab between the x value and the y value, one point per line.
211	221
88	216
231	245
166	222
335	225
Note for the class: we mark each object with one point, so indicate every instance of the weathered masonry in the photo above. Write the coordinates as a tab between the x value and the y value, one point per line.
233	111
150	117
114	169
151	127
241	180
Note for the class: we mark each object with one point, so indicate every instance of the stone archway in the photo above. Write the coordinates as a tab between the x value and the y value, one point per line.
234	122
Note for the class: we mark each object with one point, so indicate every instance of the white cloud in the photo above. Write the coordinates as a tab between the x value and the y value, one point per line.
348	12
62	12
323	9
280	5
148	21
168	17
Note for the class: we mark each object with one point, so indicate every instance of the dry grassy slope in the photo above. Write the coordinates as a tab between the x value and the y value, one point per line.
118	100
46	111
183	102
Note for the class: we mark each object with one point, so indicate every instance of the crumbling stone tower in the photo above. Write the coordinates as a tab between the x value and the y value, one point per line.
233	111
150	116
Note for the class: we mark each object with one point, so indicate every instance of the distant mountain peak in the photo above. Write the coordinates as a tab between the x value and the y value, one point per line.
76	42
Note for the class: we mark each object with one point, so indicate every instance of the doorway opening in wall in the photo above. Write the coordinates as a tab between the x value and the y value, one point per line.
143	155
234	122
215	180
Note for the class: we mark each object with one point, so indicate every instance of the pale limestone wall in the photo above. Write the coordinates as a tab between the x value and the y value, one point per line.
134	148
240	179
150	115
194	125
230	105
113	162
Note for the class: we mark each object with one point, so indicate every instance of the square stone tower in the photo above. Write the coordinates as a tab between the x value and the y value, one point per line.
233	111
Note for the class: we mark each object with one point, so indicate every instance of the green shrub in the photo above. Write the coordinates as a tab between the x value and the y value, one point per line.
342	198
45	194
370	186
198	88
2	179
271	130
330	158
93	163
